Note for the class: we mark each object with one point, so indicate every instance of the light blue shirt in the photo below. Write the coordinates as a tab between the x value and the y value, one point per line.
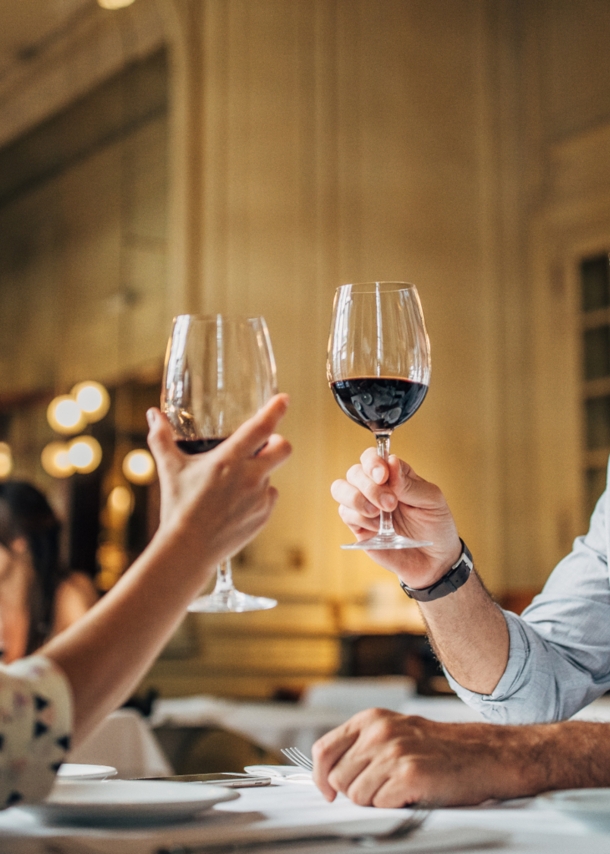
560	646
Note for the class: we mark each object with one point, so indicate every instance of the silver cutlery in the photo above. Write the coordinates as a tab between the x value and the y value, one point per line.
297	757
369	840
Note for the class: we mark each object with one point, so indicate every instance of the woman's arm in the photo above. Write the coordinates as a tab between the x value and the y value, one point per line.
211	506
74	596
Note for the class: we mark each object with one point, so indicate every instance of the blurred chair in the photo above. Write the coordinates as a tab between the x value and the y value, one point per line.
353	694
125	741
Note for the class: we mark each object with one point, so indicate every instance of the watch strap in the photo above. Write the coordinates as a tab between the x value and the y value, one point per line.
457	576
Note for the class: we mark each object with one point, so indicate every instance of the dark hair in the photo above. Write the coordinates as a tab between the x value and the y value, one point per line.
25	512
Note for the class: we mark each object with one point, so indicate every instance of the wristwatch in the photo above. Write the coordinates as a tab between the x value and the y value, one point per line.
449	583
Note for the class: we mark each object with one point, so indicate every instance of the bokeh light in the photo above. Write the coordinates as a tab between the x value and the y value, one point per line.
120	500
65	415
54	459
92	398
114	4
139	467
85	454
6	460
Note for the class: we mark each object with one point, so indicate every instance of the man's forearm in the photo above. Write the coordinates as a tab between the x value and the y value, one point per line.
545	757
470	636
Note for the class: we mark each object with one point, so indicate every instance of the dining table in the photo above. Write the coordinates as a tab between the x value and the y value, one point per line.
293	818
290	816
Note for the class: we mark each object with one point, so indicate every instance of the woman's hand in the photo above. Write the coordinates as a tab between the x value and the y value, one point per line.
419	511
217	501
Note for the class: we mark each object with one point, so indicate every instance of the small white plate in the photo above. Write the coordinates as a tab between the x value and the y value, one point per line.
589	806
129	802
74	771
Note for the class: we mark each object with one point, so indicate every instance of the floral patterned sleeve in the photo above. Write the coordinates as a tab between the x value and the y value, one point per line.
35	727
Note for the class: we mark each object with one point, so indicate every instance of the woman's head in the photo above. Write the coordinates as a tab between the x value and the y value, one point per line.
26	519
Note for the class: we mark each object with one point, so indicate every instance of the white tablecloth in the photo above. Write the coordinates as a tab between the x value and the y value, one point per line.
274	812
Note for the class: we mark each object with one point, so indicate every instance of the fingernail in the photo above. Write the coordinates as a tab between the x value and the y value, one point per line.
388	502
151	417
378	474
370	508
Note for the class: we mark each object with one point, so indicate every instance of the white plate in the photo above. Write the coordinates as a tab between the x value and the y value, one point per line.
74	771
590	806
129	802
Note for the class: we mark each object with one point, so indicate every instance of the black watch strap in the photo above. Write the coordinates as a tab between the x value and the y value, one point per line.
449	583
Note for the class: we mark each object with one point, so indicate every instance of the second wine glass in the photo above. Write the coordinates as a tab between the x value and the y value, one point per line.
219	371
379	369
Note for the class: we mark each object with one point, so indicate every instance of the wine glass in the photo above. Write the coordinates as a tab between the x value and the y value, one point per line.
219	371
378	368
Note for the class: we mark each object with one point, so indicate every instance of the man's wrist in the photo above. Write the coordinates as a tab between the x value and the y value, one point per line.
457	575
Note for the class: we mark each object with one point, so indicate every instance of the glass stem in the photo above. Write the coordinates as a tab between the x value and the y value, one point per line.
224	577
386	526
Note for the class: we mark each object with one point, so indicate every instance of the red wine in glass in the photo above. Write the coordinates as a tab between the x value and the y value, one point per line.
378	368
198	446
379	403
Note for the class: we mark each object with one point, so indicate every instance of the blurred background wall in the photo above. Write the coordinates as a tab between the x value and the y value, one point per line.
252	155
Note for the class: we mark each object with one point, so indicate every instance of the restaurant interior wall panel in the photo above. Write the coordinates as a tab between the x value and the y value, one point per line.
567	99
83	277
68	59
328	159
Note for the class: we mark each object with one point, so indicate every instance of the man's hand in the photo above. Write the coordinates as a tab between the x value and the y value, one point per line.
383	759
419	511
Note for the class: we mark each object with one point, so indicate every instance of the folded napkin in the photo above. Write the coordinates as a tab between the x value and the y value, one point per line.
282	773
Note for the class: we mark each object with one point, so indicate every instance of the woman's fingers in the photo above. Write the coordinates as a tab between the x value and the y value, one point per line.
254	441
275	451
161	441
252	435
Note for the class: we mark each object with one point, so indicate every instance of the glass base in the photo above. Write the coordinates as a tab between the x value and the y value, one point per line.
387	541
230	601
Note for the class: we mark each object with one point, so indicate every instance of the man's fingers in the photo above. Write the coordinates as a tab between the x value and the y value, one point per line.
364	787
374	466
410	488
347	495
253	433
360	525
346	773
326	751
394	793
381	496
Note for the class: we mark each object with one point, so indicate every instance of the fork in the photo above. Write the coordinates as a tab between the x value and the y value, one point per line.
404	829
297	757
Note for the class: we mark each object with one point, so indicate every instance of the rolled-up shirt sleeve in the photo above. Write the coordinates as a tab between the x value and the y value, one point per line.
35	728
559	658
